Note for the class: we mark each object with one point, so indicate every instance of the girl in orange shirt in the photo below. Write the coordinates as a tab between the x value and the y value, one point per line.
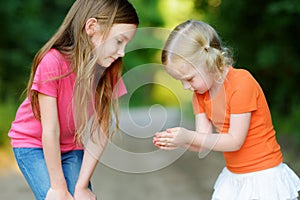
233	102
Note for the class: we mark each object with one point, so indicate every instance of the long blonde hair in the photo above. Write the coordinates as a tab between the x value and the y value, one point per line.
73	42
194	39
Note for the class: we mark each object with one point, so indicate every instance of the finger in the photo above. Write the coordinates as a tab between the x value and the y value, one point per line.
168	135
165	135
159	143
155	140
163	140
170	130
170	144
168	147
160	134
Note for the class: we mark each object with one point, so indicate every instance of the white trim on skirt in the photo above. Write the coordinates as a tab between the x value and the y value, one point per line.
277	183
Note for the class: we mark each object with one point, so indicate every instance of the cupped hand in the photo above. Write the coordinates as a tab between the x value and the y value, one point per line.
172	138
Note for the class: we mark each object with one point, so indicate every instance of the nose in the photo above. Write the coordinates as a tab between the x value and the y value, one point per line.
186	85
121	52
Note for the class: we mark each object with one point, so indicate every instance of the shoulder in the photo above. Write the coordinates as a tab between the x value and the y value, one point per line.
240	82
54	61
243	91
240	73
53	56
241	78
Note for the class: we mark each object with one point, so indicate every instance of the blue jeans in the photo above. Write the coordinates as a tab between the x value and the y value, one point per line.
32	164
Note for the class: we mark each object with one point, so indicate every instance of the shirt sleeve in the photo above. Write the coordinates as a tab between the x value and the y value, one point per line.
47	75
244	97
198	103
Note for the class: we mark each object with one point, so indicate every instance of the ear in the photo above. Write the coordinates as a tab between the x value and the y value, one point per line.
91	26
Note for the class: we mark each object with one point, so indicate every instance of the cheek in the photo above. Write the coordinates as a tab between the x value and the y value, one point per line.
201	84
100	53
105	54
109	50
103	51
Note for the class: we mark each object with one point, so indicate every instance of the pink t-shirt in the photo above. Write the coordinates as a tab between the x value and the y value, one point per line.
26	130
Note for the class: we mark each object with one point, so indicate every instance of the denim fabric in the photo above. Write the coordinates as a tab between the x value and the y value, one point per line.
33	166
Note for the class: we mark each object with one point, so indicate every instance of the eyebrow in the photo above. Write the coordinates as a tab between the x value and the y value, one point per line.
187	77
124	36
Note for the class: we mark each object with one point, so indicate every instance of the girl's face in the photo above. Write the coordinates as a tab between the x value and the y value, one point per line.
113	47
192	78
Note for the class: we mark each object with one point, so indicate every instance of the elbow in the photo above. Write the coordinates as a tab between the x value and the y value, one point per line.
51	133
236	146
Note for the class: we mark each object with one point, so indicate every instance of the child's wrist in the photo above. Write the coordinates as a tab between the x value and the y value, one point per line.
190	137
59	186
82	185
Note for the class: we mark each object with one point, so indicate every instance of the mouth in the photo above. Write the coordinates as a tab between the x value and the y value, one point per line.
113	59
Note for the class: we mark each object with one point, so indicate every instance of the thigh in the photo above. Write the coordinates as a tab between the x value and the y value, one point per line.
33	166
71	164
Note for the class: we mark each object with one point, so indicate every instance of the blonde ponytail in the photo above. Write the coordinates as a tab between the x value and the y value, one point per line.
194	40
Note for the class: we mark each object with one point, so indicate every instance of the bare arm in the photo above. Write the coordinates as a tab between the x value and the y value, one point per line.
51	146
232	141
202	125
92	153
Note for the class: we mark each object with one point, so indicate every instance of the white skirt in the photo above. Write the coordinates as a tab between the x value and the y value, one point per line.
277	183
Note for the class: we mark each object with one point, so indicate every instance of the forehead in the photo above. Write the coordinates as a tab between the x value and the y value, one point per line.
181	70
127	30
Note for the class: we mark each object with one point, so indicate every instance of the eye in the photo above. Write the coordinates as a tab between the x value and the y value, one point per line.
190	79
119	41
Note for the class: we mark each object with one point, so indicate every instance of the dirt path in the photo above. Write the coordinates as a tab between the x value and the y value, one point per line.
187	178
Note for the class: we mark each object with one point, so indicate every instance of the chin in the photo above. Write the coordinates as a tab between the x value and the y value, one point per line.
104	64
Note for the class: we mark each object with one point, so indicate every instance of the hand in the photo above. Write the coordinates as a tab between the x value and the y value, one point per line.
58	195
84	194
172	138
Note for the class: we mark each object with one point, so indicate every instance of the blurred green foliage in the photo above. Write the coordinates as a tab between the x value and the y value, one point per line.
25	26
263	35
8	111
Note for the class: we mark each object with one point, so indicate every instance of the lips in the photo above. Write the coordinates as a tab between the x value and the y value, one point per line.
113	59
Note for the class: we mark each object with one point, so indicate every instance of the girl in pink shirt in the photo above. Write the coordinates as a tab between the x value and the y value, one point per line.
75	81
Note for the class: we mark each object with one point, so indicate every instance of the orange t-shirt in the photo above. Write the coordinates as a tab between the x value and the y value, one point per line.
240	93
